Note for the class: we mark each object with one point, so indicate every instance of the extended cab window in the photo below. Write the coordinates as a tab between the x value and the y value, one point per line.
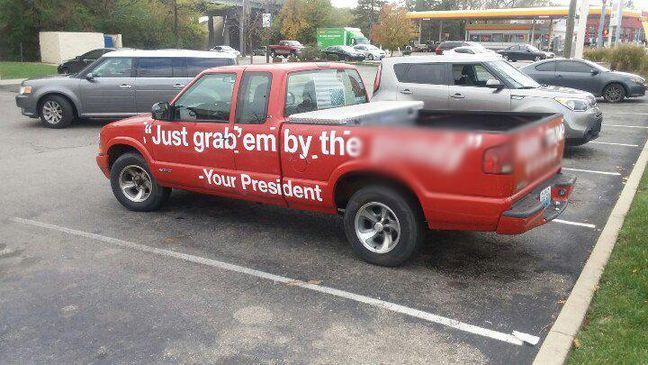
421	73
252	102
208	99
322	89
114	67
473	74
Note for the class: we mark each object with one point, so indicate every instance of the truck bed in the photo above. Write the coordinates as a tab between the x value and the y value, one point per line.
481	121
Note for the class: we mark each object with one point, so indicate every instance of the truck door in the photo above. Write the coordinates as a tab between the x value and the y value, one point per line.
427	82
257	128
470	93
195	149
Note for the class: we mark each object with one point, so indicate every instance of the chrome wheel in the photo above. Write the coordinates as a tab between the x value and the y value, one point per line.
135	183
52	112
377	227
614	93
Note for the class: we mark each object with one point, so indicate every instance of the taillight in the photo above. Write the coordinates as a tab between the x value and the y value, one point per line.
498	160
377	79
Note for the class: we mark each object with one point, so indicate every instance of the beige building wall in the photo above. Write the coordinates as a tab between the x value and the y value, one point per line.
56	47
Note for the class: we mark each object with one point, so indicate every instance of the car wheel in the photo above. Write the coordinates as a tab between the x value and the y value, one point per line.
537	58
370	57
383	225
614	93
56	112
134	186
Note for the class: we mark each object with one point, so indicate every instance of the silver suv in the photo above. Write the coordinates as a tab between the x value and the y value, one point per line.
119	84
464	82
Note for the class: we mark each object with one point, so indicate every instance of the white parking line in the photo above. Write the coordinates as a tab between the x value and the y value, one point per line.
592	171
624	126
588	225
625	113
615	144
509	338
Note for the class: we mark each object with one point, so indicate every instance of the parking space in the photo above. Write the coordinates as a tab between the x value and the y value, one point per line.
208	279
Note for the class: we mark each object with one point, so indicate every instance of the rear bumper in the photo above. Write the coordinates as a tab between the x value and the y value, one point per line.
529	212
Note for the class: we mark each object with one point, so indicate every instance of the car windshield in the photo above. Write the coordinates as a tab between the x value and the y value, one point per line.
347	48
512	75
595	65
532	48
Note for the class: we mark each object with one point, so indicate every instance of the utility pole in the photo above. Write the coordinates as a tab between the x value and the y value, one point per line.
601	26
582	28
569	32
242	31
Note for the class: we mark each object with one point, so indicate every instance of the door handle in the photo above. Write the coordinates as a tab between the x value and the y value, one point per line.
178	86
457	96
125	86
406	91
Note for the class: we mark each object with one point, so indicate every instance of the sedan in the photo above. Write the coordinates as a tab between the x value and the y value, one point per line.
613	86
78	63
370	51
472	50
345	53
527	52
226	49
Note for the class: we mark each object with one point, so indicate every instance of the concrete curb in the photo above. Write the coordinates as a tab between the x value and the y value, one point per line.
557	344
11	81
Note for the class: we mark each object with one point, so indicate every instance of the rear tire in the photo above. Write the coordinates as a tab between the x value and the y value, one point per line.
614	93
56	112
537	58
134	186
383	225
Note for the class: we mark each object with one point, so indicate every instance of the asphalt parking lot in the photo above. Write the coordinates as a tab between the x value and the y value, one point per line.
82	280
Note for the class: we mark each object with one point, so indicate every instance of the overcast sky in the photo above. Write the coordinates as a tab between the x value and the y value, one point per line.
639	4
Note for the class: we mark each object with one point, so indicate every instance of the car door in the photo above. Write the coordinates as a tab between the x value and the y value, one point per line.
158	79
257	155
543	73
108	89
195	148
577	75
468	90
427	82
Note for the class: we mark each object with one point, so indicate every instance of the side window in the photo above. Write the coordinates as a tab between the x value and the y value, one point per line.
155	67
547	66
252	101
323	89
114	67
208	99
471	75
198	65
421	73
572	66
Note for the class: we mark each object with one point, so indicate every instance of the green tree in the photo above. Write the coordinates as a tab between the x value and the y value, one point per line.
366	14
393	29
299	19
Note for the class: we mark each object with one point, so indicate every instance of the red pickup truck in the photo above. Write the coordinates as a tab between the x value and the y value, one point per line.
303	136
285	48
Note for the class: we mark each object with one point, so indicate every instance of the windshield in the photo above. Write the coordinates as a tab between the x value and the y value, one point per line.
512	75
595	65
371	47
532	48
293	43
361	40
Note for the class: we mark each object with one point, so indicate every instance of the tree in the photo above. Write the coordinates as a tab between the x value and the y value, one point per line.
393	29
366	14
300	19
292	20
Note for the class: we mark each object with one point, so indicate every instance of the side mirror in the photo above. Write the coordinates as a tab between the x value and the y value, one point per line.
494	84
594	72
89	76
161	111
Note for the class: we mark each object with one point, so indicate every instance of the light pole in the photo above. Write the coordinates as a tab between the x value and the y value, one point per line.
569	32
601	26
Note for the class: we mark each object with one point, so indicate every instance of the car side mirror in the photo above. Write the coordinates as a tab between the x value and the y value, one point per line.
89	76
161	111
494	84
594	72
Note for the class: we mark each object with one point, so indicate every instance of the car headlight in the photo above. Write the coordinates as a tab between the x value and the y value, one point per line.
25	90
638	80
575	104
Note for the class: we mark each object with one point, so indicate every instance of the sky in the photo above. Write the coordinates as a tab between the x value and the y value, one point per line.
639	4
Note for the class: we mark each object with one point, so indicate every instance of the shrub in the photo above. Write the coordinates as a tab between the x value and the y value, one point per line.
332	57
277	60
293	59
309	54
596	54
627	58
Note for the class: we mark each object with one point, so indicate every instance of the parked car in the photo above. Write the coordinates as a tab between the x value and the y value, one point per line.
119	84
370	51
78	63
448	45
613	86
486	83
226	49
259	51
472	50
389	182
520	52
419	47
344	53
286	48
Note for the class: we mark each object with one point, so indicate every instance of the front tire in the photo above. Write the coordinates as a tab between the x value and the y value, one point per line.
614	93
537	58
134	186
56	112
370	57
383	225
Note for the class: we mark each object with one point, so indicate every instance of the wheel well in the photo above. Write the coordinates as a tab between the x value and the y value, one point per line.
117	150
348	184
42	98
